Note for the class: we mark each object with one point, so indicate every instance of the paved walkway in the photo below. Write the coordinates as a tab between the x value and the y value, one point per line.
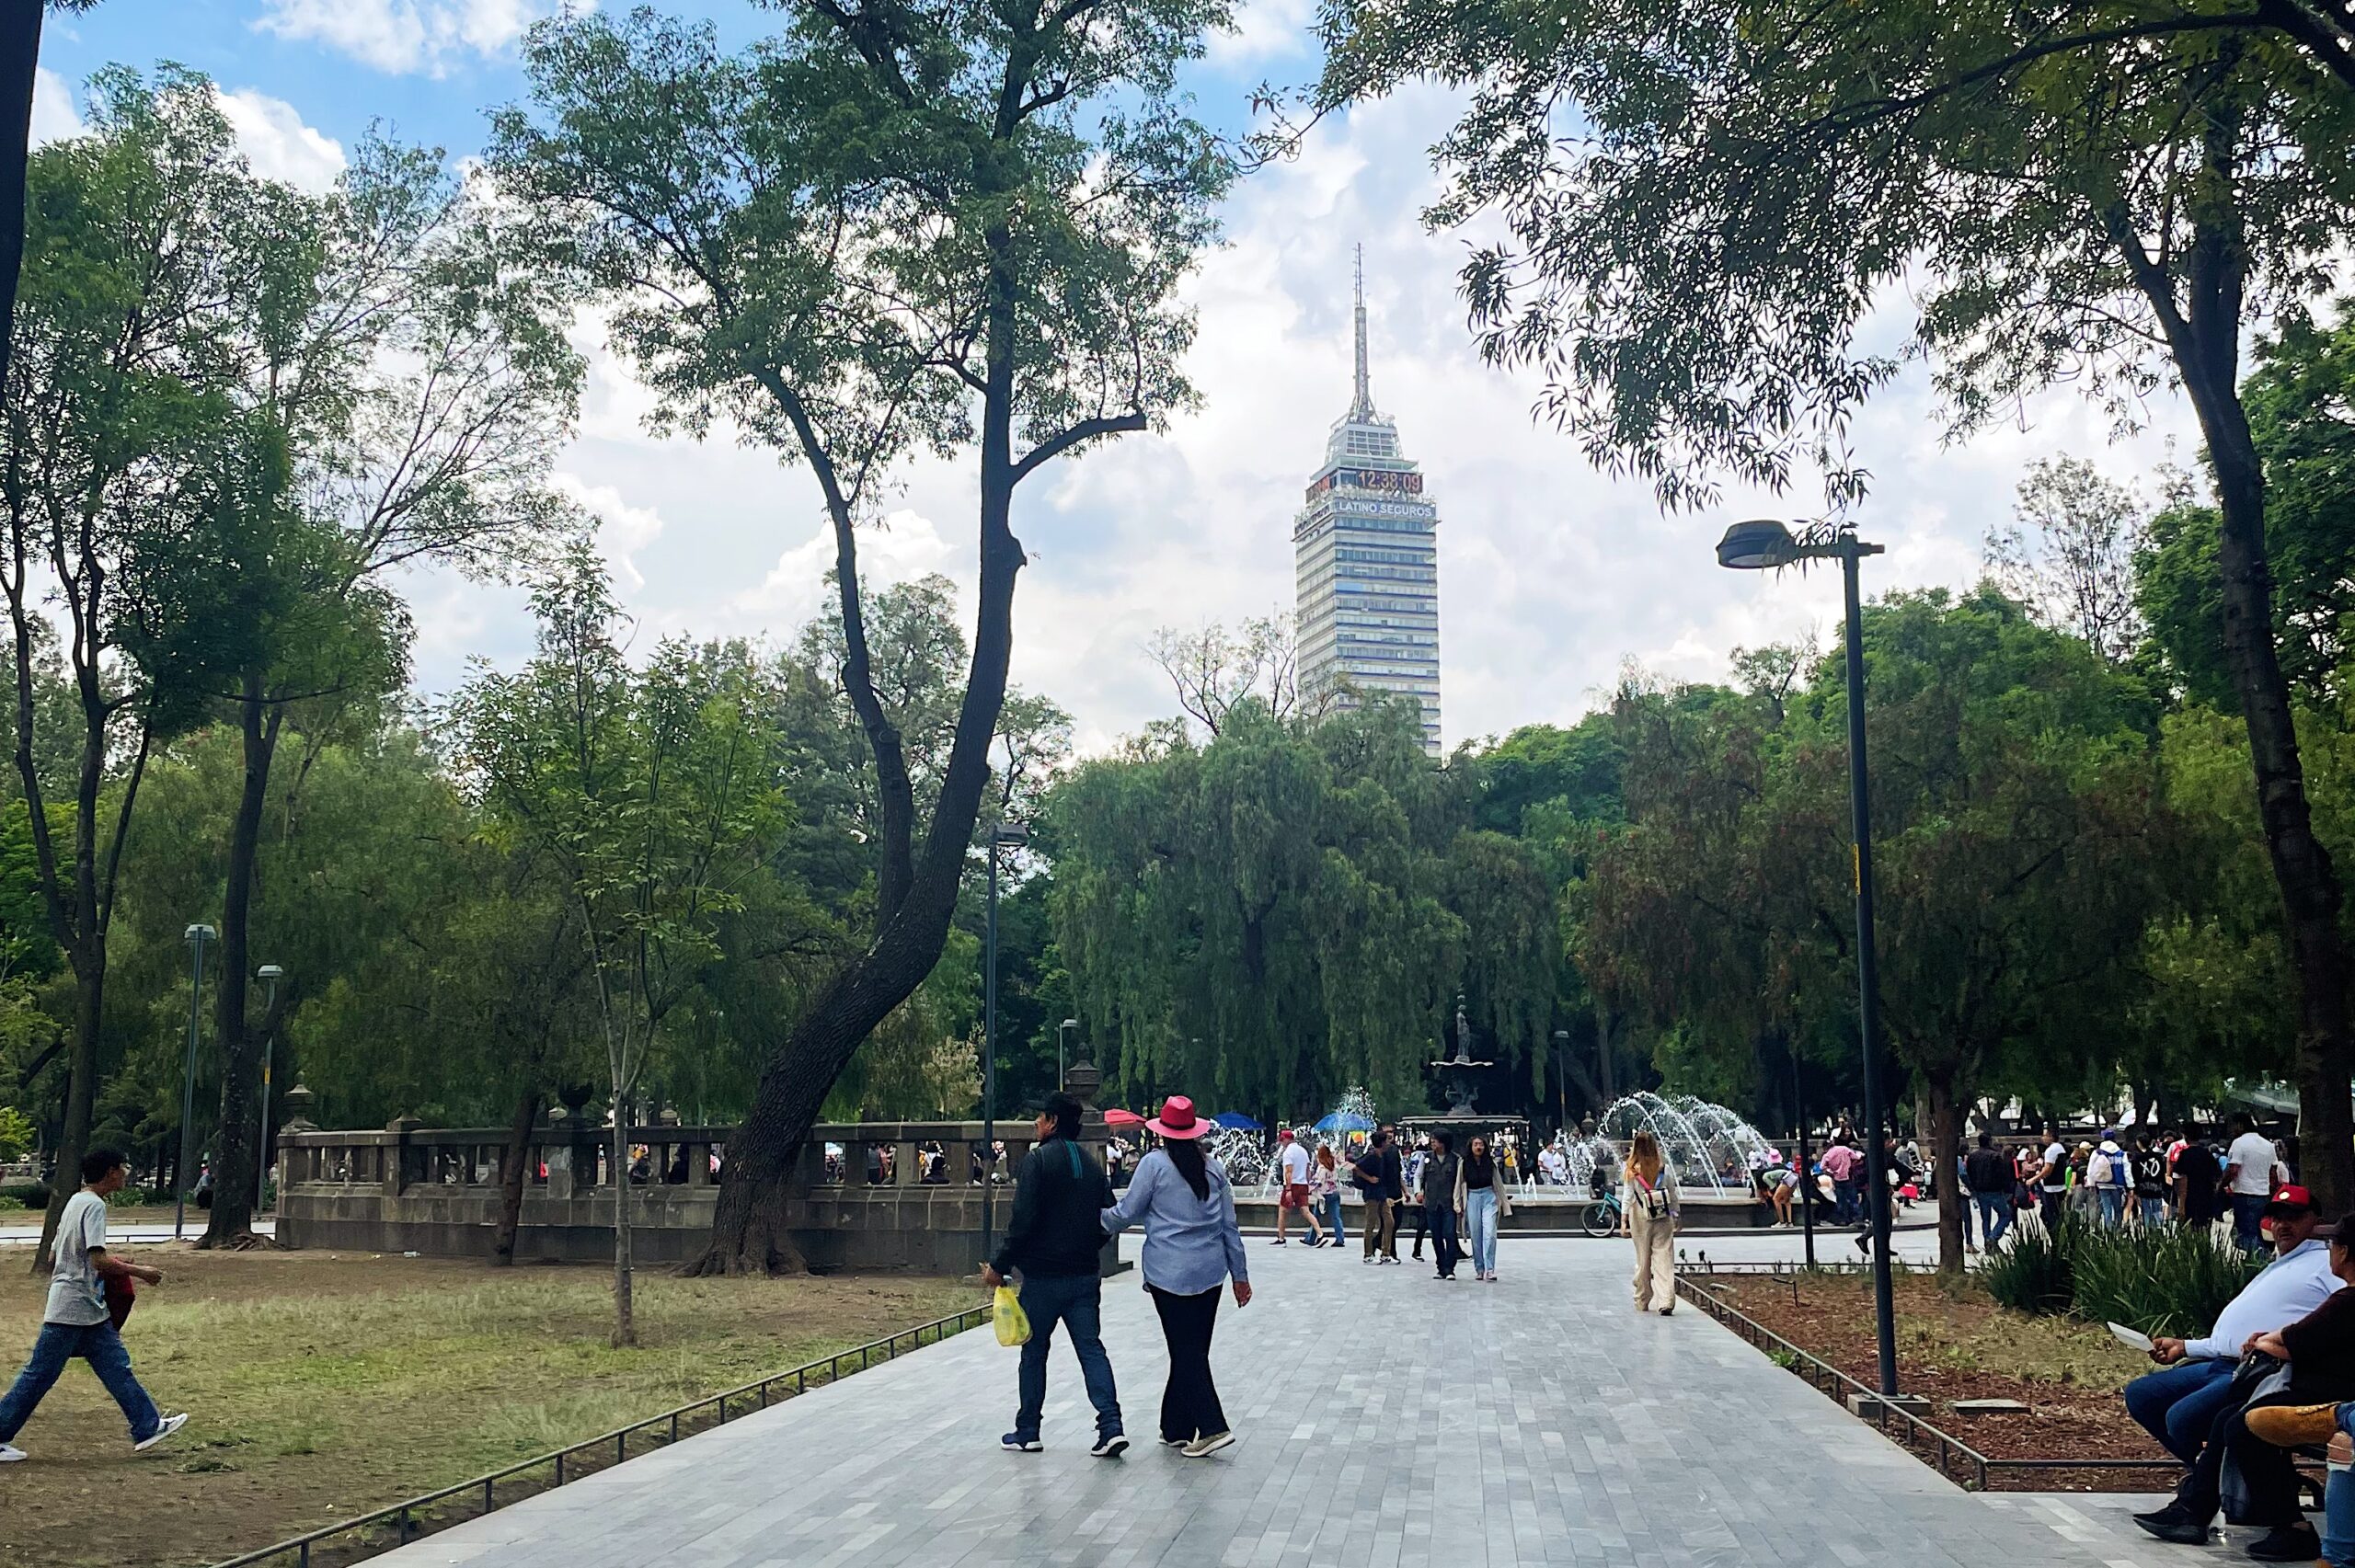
1386	1419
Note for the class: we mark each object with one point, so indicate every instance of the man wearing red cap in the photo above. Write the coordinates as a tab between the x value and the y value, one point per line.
1292	1164
2196	1405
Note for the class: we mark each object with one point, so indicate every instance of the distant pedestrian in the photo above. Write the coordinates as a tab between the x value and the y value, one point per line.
1483	1197
1412	1209
2148	1167
1651	1216
76	1324
1988	1176
1191	1247
1291	1166
1846	1169
1325	1187
1055	1240
2253	1168
2199	1192
2112	1178
1441	1206
2053	1180
1381	1178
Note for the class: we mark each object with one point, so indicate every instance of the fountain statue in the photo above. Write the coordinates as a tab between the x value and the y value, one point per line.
1459	1074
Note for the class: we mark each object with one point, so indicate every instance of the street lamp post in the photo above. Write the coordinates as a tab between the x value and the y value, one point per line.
1006	835
196	936
1758	546
269	975
1063	1050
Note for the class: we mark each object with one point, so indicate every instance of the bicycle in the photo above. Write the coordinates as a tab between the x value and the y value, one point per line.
1602	1217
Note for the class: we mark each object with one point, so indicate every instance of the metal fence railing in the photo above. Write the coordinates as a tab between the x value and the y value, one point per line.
410	1519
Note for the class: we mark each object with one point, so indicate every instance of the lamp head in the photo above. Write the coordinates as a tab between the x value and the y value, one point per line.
1757	546
1010	835
270	972
200	933
1071	1023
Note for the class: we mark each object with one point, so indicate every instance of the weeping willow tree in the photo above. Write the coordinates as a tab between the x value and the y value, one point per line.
1288	909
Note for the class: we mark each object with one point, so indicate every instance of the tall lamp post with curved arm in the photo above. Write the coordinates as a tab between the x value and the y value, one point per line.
1767	545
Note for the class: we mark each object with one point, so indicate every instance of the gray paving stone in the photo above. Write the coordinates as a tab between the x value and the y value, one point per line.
1386	1422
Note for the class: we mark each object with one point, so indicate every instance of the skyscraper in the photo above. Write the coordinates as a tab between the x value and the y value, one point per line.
1366	548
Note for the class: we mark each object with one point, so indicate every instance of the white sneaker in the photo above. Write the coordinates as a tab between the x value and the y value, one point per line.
1202	1447
9	1455
171	1424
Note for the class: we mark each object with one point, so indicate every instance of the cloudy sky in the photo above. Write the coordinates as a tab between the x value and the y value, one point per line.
1551	576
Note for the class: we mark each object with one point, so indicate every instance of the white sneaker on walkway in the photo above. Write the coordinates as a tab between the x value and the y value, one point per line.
9	1455
1201	1447
171	1424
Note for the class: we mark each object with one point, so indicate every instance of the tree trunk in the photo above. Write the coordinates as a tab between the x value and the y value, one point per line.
624	1315
2311	894
80	1096
749	1233
513	1175
20	55
237	1147
1945	1118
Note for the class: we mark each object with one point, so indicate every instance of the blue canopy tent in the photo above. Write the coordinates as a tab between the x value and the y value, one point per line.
1342	1121
1235	1121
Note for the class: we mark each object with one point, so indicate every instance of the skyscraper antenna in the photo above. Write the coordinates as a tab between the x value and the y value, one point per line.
1361	405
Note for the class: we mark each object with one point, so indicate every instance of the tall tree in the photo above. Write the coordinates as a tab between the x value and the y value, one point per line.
2069	552
2071	192
153	267
885	228
423	380
650	792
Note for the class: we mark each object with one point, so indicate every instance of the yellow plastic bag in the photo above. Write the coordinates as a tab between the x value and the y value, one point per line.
1013	1323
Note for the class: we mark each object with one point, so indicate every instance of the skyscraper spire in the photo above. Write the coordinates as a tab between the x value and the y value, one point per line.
1361	405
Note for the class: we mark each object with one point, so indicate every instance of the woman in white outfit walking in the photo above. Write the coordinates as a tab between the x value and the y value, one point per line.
1651	1214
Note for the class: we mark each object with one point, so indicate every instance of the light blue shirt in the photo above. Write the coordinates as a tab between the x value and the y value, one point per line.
1190	1244
2290	1285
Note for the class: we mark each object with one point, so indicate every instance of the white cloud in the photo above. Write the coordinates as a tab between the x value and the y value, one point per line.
1264	30
54	115
277	144
404	36
624	531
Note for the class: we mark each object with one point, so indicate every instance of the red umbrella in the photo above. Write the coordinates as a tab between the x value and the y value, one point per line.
1123	1118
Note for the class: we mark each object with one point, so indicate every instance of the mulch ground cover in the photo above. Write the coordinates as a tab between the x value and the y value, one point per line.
1955	1343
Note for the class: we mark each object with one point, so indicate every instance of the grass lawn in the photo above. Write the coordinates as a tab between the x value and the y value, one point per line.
325	1385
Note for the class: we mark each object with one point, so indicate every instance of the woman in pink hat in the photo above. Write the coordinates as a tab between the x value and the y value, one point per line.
1191	1248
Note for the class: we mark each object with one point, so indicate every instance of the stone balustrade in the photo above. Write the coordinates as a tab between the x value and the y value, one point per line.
864	1196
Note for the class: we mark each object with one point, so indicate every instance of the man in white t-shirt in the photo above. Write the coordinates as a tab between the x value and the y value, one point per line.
77	1322
2252	1170
2052	1178
1292	1164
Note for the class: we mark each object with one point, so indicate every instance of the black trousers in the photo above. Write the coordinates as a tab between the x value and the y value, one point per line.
1189	1406
2269	1473
1421	1225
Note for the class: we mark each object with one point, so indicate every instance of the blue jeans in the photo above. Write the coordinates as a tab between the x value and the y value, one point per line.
1445	1249
2155	1211
2247	1210
1848	1202
1075	1300
2113	1205
2178	1405
2339	1508
1330	1205
99	1346
1994	1217
1480	1219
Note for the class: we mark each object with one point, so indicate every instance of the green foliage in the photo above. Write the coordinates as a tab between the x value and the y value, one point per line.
31	1195
2035	1274
2170	1280
16	1133
2164	1279
1303	900
2301	403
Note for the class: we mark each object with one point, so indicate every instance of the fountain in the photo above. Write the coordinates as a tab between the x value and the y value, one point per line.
1707	1147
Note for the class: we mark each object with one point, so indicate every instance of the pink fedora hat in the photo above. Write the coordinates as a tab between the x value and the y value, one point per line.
1177	1120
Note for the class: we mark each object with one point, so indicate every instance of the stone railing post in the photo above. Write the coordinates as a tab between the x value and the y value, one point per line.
398	1154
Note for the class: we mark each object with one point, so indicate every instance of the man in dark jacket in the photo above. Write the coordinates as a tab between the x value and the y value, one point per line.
1055	1236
